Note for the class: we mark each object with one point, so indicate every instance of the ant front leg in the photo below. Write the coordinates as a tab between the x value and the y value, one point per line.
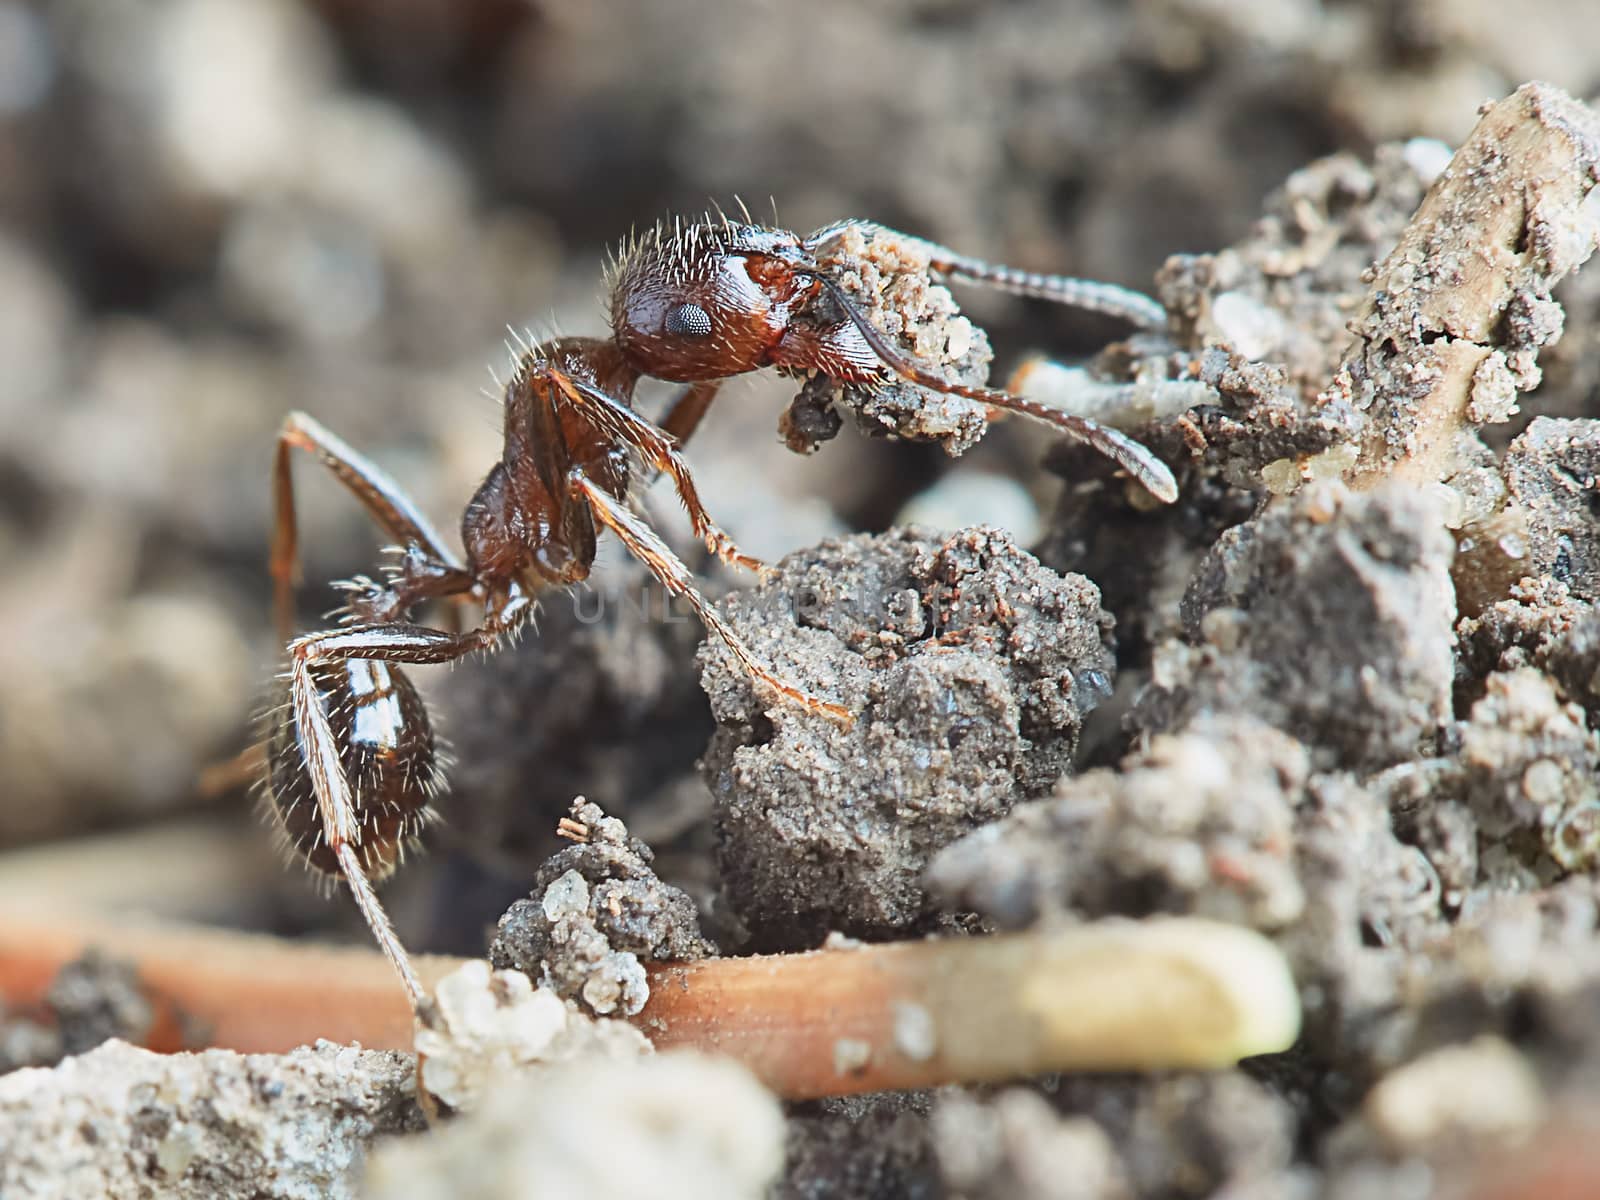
389	507
648	548
687	410
683	416
352	765
658	449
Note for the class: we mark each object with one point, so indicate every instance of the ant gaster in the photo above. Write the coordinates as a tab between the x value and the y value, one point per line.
351	760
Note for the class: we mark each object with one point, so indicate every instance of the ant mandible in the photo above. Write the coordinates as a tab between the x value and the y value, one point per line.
351	762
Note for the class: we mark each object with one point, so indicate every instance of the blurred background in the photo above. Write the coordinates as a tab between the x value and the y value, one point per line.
215	211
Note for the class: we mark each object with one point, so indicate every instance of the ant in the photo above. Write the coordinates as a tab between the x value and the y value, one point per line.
351	762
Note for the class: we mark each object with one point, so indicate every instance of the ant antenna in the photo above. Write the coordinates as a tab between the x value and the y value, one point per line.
1108	299
1153	474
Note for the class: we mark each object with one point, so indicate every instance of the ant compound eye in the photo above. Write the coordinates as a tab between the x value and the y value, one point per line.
688	320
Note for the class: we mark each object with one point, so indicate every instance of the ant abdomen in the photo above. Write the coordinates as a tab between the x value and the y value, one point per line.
388	755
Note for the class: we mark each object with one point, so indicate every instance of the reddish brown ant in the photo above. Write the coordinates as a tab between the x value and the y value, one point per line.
351	762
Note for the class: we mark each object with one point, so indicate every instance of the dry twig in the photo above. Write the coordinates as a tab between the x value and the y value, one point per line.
1169	993
1456	312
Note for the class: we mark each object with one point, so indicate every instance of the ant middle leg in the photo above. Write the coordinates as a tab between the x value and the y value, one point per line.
388	506
645	545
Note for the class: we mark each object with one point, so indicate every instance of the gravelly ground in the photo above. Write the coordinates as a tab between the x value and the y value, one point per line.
1358	720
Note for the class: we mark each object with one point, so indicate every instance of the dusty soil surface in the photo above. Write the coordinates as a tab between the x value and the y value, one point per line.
972	667
599	911
120	1121
1343	692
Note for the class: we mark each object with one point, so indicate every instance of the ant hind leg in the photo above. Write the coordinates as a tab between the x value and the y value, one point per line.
384	501
429	566
352	766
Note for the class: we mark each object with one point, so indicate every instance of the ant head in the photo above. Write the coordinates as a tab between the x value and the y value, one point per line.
707	300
